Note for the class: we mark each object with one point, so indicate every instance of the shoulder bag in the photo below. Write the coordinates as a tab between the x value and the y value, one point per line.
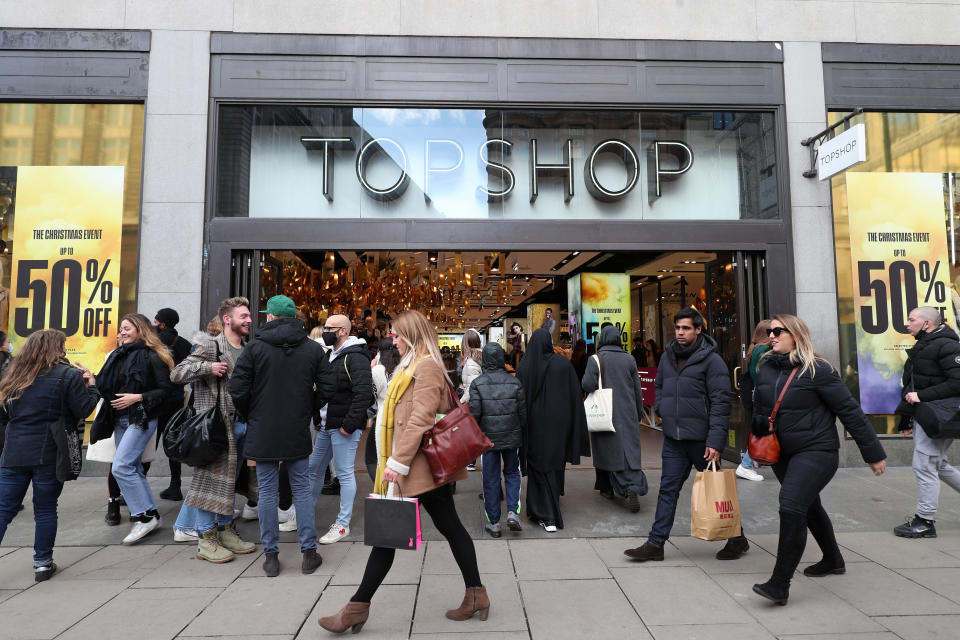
197	439
67	435
766	448
454	442
599	405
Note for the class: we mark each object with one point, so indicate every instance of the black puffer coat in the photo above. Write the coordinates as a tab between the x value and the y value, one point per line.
694	404
807	419
351	383
932	369
273	386
497	401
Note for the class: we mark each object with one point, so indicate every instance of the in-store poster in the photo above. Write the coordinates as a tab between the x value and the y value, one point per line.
66	266
538	318
898	249
596	298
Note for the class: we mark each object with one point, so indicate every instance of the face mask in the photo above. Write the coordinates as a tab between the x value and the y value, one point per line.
329	338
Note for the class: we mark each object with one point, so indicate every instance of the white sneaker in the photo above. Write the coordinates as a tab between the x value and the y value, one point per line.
183	535
287	514
549	528
140	529
336	532
250	513
289	525
748	474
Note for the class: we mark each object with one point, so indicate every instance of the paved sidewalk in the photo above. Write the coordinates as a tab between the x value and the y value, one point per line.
575	584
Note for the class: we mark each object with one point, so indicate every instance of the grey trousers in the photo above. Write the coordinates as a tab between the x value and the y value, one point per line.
930	465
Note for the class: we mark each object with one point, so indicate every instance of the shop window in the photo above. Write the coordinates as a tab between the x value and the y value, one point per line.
349	162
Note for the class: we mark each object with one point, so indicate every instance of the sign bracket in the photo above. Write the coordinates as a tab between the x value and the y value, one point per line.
822	137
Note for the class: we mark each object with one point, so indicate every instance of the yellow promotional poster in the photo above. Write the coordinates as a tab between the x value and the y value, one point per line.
605	297
67	267
898	247
451	340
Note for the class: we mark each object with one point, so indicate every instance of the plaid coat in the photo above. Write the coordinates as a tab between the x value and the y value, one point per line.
213	486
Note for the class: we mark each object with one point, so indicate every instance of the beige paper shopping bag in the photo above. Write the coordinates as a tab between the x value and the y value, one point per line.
714	508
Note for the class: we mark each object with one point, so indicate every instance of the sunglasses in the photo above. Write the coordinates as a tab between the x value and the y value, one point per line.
776	331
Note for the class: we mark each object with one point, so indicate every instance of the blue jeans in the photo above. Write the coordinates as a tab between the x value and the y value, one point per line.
330	443
46	489
127	468
746	463
193	519
491	482
268	480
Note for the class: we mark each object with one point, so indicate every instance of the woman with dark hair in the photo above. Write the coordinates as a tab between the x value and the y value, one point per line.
135	382
556	427
40	388
518	343
579	358
382	368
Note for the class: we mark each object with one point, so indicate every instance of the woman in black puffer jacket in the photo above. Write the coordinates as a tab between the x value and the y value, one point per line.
806	426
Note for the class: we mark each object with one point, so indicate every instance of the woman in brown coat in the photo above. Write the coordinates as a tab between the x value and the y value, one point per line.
418	391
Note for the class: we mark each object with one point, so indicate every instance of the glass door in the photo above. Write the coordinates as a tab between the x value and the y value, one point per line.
256	276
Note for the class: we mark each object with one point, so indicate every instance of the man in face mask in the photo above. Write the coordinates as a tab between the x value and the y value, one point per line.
931	372
344	418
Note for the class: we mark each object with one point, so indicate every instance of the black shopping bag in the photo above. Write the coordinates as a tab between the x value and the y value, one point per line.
391	522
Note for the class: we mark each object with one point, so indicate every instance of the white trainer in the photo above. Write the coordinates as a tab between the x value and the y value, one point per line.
337	532
289	525
549	528
250	513
140	529
748	474
183	535
287	514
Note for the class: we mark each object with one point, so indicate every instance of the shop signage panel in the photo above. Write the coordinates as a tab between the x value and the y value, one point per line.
898	248
842	152
66	273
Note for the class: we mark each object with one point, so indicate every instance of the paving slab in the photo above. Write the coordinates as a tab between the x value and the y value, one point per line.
120	563
870	635
260	606
811	553
16	568
405	570
899	553
811	610
922	627
656	591
871	588
439	593
580	609
291	558
264	637
743	631
493	556
391	612
704	555
472	635
5	550
52	607
157	614
6	594
945	582
183	569
559	559
611	551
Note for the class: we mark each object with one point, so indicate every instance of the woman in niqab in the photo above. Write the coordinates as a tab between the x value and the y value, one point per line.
556	427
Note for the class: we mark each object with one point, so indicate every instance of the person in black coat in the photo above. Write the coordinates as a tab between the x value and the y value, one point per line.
40	388
556	427
166	322
498	404
275	384
805	424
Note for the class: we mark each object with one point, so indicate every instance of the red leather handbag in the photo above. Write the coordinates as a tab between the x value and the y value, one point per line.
454	442
766	449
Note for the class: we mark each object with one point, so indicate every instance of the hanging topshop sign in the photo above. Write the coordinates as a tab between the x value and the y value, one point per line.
898	246
67	237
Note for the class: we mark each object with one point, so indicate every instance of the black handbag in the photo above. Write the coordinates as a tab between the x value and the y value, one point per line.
196	439
393	523
939	418
67	435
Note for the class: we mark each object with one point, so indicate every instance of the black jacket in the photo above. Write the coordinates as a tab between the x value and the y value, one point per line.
932	370
497	401
807	419
26	421
351	384
179	349
694	404
273	386
156	396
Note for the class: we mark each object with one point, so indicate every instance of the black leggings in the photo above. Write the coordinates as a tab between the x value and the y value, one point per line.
439	505
802	477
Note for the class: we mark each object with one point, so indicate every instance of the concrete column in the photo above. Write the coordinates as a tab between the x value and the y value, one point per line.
174	170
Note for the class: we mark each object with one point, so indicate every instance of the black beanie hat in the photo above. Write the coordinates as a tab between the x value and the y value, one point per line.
168	317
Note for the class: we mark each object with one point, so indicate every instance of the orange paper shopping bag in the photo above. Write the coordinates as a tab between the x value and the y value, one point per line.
714	508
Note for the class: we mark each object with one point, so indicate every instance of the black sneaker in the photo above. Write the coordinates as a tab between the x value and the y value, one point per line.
113	513
645	553
41	574
311	560
271	565
332	488
633	501
734	548
172	493
916	528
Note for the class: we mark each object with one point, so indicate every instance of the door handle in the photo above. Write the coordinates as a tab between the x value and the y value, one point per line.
736	378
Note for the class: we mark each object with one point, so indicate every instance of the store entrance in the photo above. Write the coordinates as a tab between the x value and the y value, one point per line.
570	292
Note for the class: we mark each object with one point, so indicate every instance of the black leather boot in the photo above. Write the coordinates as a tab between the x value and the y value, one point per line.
822	529
793	539
113	512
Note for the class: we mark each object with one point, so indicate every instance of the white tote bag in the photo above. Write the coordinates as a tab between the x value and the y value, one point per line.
599	405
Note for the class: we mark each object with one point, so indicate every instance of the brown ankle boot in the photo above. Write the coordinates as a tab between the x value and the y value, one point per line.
354	615
475	600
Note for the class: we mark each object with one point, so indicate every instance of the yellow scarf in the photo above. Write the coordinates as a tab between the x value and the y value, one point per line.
398	385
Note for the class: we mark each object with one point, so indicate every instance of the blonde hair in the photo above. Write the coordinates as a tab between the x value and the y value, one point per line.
43	350
148	334
803	354
316	333
416	331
